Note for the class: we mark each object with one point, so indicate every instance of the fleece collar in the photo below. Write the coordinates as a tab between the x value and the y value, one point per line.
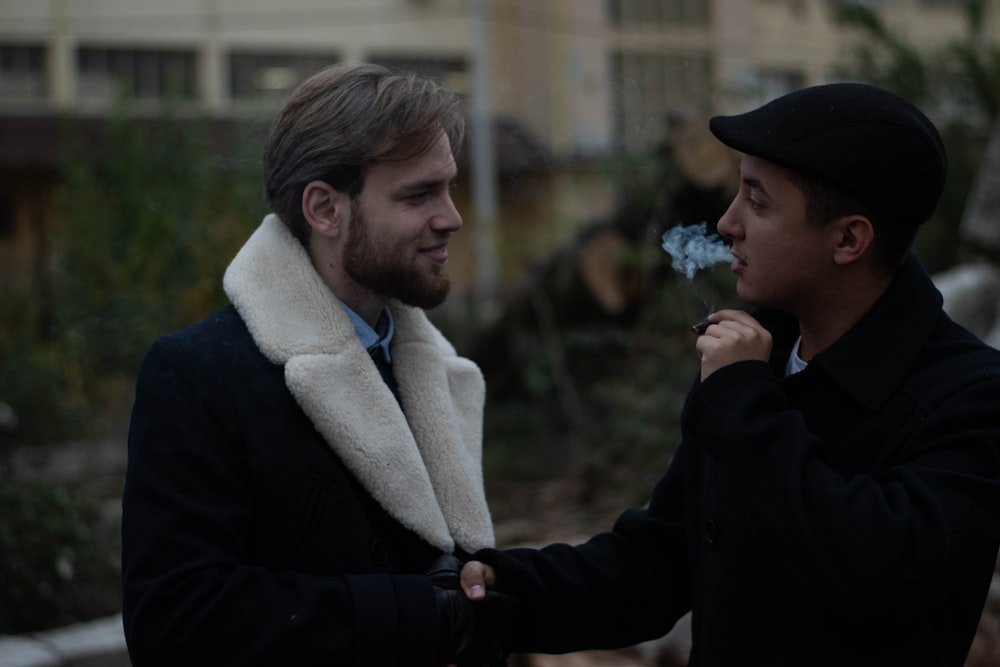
422	462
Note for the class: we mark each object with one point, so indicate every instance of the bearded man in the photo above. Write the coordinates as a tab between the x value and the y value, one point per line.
301	459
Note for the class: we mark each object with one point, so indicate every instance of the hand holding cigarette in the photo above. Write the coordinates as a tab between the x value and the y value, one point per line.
737	337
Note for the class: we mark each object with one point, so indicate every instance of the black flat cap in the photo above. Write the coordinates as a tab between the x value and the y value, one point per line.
870	142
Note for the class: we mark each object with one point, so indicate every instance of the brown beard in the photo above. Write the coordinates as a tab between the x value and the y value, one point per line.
376	269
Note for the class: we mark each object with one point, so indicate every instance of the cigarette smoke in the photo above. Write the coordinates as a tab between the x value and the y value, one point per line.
693	248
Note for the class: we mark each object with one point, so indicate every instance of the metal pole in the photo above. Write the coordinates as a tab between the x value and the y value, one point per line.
483	160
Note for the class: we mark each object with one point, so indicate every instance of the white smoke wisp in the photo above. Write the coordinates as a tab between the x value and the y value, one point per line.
693	248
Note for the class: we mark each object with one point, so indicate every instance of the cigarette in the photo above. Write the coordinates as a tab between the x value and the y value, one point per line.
700	327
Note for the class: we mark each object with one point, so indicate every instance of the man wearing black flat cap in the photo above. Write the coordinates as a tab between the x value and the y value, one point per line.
835	499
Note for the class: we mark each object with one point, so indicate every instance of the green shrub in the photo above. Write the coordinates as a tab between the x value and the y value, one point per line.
143	234
53	571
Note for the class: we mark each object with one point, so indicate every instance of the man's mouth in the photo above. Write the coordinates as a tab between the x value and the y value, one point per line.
436	253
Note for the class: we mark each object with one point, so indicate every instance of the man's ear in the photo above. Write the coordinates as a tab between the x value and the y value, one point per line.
855	237
325	208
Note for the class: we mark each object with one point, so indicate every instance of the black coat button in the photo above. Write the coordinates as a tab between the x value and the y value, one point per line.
379	553
711	531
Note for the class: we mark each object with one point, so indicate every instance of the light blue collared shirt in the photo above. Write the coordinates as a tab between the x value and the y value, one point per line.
795	363
380	336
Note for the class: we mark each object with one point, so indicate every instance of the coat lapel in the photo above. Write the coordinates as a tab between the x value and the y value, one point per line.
425	466
443	396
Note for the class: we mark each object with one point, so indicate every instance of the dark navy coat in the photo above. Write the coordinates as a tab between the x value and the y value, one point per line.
280	505
846	515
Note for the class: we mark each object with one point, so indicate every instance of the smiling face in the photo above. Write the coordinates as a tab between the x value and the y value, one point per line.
396	241
782	259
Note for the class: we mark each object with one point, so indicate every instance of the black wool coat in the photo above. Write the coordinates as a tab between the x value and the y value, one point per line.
846	515
280	506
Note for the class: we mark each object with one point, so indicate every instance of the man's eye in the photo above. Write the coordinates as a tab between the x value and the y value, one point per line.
754	204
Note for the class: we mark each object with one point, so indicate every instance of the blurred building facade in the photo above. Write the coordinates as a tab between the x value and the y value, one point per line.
570	82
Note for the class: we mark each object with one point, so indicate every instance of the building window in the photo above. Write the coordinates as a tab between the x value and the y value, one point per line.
22	72
652	86
871	4
772	83
272	75
663	13
135	74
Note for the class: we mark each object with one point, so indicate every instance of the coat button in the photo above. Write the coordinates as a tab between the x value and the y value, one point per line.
379	553
711	531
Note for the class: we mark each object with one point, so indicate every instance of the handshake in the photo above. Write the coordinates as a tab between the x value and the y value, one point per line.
471	632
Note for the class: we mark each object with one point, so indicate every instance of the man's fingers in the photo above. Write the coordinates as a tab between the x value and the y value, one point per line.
476	577
733	315
733	336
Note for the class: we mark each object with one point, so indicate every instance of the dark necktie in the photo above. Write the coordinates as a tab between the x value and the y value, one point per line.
384	369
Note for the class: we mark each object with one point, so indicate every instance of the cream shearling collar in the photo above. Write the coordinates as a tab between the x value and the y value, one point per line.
425	466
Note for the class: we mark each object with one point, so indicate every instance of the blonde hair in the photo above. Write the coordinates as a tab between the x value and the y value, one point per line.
345	118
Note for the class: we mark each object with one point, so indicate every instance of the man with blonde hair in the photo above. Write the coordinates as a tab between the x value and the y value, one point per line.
300	461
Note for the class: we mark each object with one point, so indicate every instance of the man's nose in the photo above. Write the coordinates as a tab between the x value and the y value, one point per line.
448	218
727	225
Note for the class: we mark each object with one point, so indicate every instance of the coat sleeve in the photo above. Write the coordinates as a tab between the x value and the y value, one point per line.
620	588
192	593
